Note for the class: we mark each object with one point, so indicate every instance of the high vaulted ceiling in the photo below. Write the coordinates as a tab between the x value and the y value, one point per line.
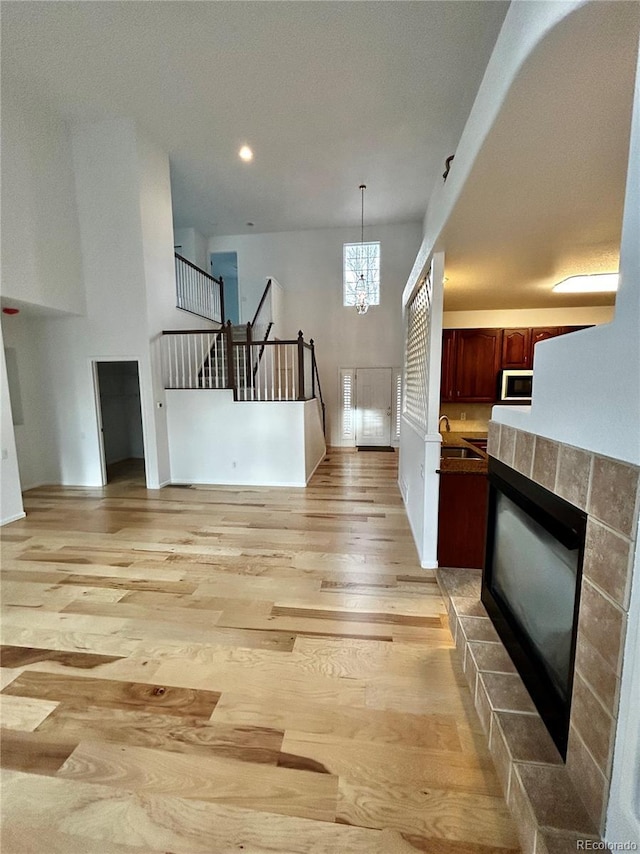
328	95
334	94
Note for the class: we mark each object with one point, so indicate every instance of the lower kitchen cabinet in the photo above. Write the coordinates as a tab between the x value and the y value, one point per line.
462	519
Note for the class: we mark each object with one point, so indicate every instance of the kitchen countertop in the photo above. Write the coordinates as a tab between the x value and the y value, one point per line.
462	466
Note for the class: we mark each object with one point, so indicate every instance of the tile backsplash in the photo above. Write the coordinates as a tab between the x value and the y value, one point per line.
477	418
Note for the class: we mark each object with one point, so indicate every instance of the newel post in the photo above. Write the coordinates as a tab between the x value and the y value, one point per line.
300	366
313	368
221	300
248	357
231	380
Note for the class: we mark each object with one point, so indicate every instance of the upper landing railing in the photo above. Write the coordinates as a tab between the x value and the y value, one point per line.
198	292
253	370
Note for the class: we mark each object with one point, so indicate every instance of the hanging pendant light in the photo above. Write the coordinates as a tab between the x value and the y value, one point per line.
362	292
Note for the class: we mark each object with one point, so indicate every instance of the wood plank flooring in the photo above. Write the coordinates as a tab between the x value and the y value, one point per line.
204	670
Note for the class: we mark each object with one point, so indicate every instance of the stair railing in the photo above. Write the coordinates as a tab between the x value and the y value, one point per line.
197	292
195	358
263	305
260	327
267	370
316	388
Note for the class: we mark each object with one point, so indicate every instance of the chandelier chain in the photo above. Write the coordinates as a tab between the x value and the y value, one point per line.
362	299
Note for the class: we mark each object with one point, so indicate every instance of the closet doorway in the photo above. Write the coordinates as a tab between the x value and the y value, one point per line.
120	420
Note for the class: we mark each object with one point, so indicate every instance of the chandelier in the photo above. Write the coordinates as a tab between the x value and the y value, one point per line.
362	296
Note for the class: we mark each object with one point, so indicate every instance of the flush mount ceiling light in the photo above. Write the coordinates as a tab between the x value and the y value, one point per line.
245	154
591	284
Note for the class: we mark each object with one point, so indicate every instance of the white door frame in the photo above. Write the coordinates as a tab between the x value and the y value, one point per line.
349	417
94	360
360	439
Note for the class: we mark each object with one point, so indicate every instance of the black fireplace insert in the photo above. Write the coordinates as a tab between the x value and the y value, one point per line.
531	588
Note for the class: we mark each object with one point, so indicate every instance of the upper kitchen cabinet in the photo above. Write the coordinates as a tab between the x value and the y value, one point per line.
516	348
545	332
447	376
473	358
478	354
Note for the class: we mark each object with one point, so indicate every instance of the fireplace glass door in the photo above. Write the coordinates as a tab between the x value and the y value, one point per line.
531	587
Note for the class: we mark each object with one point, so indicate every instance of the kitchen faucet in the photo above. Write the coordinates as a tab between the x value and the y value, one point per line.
444	418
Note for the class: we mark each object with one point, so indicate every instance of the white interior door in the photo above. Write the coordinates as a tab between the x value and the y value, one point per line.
373	406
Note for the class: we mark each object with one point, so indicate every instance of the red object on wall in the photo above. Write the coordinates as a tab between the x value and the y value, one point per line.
10	310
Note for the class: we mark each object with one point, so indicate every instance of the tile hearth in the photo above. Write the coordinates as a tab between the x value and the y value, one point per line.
550	815
557	804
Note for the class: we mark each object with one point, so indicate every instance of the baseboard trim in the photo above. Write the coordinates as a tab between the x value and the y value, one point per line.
37	485
300	484
316	466
11	519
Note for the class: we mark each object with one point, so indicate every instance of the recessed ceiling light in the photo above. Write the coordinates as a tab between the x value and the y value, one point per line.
595	283
245	154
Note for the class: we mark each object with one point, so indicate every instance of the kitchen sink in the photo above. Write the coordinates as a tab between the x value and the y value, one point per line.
478	443
448	452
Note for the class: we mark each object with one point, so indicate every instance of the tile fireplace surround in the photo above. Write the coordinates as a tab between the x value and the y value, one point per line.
554	804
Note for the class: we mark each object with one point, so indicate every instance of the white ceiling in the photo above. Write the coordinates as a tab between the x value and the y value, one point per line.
333	94
328	94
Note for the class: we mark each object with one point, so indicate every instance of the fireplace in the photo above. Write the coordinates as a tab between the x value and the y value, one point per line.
531	588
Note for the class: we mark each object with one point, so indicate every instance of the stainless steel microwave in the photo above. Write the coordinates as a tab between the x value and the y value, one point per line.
515	386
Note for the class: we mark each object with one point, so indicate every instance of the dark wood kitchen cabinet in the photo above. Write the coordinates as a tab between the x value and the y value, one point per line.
447	376
462	519
517	351
478	353
543	333
473	358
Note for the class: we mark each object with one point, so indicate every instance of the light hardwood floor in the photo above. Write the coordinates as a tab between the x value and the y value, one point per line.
203	670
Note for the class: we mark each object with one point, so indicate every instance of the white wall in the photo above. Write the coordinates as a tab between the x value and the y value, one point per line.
10	496
214	439
34	438
194	247
278	298
105	162
610	358
528	317
308	265
40	237
126	239
314	444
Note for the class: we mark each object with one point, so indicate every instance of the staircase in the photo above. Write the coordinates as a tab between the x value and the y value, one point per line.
243	359
197	292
